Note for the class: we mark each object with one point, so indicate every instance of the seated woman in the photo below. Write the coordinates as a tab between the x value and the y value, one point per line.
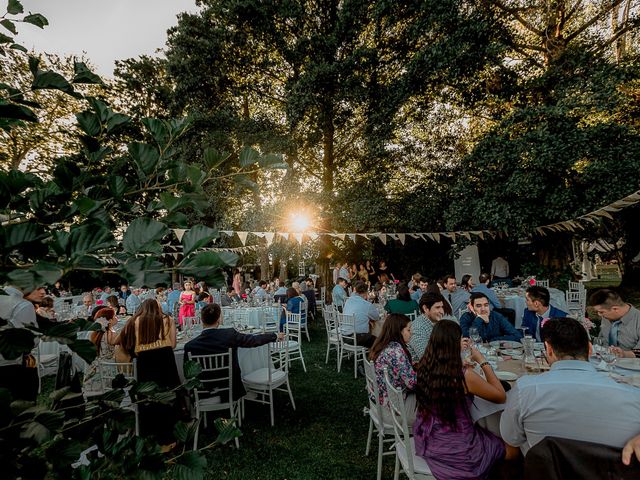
444	432
403	303
293	306
390	351
151	337
105	341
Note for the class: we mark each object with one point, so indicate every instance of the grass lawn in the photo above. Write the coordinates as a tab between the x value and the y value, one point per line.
324	438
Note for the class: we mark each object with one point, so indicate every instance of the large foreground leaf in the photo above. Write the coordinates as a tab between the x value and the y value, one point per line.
143	236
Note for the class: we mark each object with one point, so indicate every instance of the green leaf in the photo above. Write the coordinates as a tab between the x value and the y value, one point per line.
112	397
88	239
172	203
191	369
191	466
34	63
89	123
227	430
17	46
15	7
5	38
184	431
213	158
64	333
24	279
50	80
208	265
195	175
117	186
82	74
48	273
19	234
245	182
16	341
116	121
273	161
144	388
36	19
17	112
145	157
248	156
158	130
145	271
143	236
9	25
196	237
85	349
35	431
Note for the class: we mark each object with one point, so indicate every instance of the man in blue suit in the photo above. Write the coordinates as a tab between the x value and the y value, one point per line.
490	324
538	309
219	340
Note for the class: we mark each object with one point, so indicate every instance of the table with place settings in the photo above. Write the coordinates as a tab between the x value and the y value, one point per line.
249	316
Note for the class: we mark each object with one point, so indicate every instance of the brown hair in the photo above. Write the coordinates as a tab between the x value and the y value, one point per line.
150	326
96	337
391	332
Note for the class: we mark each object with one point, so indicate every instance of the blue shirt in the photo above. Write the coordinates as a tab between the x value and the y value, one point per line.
498	327
415	296
172	299
459	300
338	295
530	320
490	293
572	401
261	293
132	303
362	310
293	306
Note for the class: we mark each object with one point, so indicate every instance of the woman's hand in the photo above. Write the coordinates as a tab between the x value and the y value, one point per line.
476	356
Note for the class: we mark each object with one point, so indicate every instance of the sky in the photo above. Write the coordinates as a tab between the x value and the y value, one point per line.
104	30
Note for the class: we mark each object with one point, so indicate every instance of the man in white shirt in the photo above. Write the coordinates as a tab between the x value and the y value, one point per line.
17	307
364	312
573	400
500	270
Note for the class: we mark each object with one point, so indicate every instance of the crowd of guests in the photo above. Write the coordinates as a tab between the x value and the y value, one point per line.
426	351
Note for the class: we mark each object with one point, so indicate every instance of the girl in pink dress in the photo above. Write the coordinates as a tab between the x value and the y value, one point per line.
237	282
187	303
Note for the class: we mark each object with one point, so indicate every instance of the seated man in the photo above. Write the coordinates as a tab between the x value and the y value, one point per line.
573	400
219	340
432	309
423	283
229	298
490	324
620	325
457	297
483	287
261	291
339	293
538	309
133	301
364	312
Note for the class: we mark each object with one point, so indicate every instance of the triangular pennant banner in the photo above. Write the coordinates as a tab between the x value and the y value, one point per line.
179	233
269	237
313	236
352	237
401	237
383	238
243	237
435	236
284	235
467	235
415	235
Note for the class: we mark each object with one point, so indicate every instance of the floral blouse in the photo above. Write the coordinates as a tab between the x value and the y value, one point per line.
398	365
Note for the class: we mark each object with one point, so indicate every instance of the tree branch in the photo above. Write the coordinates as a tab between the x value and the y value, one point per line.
605	10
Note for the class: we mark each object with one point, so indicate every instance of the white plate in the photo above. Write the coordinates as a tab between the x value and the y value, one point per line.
538	346
505	344
511	352
628	363
507	376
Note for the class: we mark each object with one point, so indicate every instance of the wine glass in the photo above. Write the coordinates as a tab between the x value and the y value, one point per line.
599	346
474	335
609	357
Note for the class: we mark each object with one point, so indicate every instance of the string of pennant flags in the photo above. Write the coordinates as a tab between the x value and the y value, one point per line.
573	225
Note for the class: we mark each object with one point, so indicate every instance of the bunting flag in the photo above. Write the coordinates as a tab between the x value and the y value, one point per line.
298	237
284	235
269	237
243	237
401	237
352	237
179	233
382	237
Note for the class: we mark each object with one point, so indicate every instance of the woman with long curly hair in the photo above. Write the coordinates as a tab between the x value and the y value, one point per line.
105	341
444	432
390	351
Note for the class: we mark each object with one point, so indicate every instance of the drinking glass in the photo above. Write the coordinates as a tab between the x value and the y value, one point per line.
609	357
474	335
599	346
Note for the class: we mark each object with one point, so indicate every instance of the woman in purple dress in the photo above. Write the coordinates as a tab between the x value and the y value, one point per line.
445	435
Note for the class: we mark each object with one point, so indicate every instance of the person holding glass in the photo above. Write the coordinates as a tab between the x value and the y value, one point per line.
489	324
445	434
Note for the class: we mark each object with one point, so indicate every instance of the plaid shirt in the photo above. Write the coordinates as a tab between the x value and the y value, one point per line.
420	334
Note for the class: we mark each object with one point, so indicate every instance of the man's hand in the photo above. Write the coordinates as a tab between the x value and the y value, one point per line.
281	336
485	318
622	353
632	446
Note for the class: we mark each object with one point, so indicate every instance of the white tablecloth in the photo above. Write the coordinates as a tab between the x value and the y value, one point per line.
518	303
248	315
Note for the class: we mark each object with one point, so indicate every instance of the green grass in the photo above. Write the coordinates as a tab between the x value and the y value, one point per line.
324	438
